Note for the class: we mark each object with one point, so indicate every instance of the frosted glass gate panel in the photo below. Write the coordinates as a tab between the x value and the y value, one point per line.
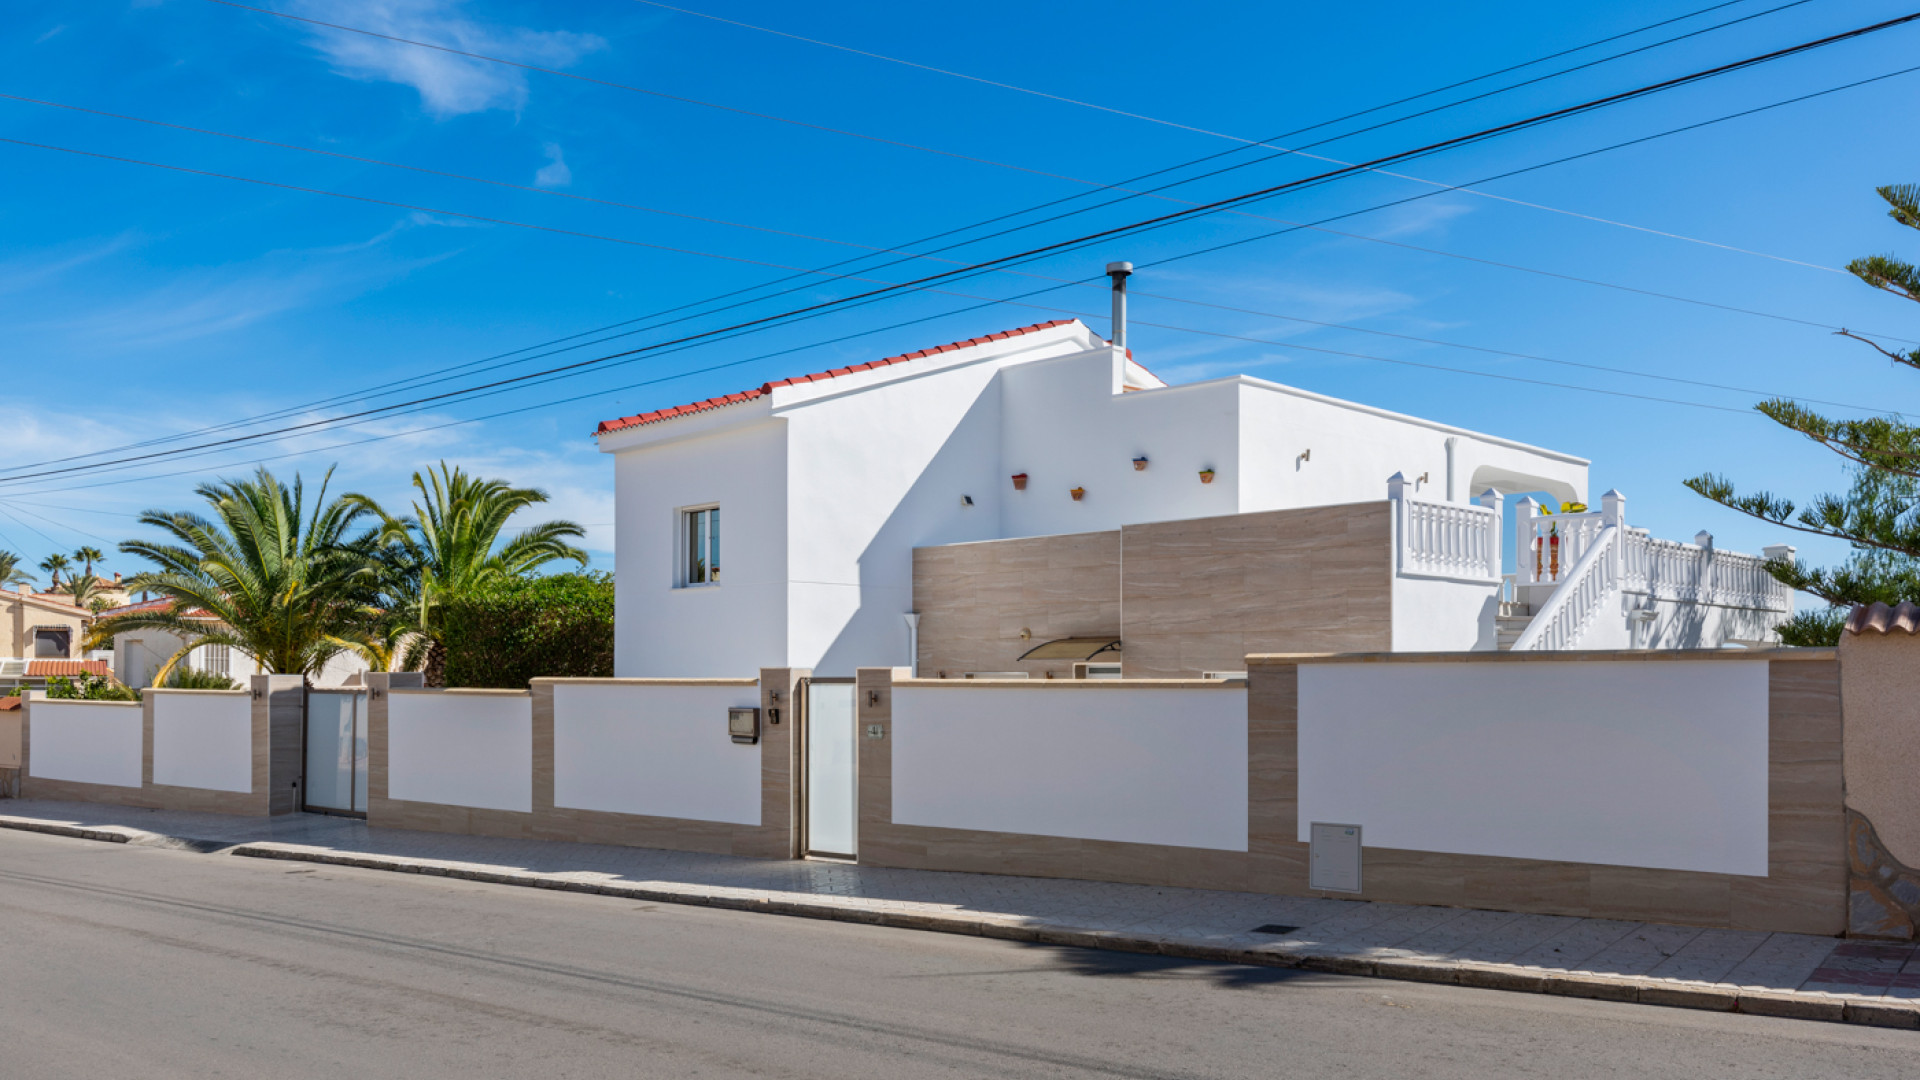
830	768
337	751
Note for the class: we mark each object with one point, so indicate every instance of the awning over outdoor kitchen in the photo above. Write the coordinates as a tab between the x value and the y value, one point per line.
1074	648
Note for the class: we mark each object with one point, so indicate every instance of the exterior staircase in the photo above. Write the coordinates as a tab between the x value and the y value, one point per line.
1510	622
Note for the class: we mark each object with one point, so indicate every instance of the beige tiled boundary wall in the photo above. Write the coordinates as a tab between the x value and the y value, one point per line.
1702	788
1880	679
1186	596
641	762
224	751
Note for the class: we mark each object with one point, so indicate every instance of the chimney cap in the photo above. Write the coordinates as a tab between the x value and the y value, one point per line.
1121	268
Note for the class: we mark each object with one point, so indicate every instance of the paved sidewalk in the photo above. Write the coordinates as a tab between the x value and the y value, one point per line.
1791	975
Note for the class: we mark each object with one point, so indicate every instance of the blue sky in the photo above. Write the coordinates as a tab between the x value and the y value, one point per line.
141	303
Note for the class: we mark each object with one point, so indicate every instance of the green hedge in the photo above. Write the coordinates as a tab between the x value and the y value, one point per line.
520	629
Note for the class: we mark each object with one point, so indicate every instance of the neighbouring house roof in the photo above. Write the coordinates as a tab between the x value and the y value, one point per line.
11	701
763	389
44	669
162	604
43	600
1881	619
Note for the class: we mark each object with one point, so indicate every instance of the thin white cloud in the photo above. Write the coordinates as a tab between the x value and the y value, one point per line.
448	85
555	172
43	38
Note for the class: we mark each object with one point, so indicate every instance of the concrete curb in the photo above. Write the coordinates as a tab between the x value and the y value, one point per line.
79	832
1788	1004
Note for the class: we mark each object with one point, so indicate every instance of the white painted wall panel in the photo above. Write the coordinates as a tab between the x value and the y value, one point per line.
89	742
658	750
1632	763
1148	766
461	749
203	740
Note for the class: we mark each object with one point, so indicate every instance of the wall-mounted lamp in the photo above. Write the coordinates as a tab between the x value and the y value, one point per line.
1140	463
966	500
1305	455
1019	481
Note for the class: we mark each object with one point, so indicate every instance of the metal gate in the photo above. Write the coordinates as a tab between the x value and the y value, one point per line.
830	767
336	752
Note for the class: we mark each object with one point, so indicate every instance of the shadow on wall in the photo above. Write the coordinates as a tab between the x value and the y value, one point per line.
931	512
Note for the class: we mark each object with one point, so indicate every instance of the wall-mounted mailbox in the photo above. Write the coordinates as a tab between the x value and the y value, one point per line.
744	725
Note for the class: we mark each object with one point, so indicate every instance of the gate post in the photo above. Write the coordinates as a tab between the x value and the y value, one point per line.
280	706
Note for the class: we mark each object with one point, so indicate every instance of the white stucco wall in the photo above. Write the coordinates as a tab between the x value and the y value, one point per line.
92	742
1355	448
1069	425
1434	615
732	628
461	748
1149	766
203	739
658	750
1659	764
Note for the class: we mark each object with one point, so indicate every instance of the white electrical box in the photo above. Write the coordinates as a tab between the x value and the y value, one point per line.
1333	860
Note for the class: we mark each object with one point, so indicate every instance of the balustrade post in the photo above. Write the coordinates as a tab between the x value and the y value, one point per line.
1491	500
1613	514
1524	513
1397	495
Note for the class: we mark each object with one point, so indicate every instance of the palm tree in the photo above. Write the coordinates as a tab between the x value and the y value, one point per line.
264	574
10	572
88	556
84	589
450	547
54	565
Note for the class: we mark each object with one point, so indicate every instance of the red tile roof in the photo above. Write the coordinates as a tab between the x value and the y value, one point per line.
39	669
818	376
1881	619
11	701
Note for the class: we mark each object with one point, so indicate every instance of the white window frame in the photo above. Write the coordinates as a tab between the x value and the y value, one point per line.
683	550
216	659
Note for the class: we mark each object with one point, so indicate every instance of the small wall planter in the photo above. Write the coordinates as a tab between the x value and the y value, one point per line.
1206	476
1140	463
1077	493
1019	481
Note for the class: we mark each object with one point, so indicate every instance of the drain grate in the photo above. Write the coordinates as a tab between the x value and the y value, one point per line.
1274	928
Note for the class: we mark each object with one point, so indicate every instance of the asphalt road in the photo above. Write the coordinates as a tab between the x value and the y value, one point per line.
135	962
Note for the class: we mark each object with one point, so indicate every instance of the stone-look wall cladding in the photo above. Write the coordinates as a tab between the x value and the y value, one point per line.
1880	656
976	599
1805	890
1186	597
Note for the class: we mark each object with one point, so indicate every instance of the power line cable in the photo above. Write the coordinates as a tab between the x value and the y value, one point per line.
445	370
1065	283
1246	143
873	138
968	271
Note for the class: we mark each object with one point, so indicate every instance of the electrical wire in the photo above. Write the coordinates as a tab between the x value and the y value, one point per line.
968	271
360	395
899	143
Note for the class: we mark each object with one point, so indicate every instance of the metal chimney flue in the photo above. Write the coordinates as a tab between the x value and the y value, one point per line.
1119	272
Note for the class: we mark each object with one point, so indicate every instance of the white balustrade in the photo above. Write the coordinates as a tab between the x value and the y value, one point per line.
1585	592
1692	573
1446	540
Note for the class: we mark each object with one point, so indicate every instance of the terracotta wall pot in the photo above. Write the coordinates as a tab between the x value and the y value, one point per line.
1206	476
1019	481
1139	464
1077	493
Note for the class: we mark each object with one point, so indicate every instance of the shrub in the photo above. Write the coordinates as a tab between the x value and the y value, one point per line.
515	630
186	678
84	687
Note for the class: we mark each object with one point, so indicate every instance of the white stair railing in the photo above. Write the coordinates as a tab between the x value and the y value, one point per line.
1583	595
1446	540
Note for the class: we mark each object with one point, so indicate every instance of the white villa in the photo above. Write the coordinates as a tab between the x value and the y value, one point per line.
956	508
